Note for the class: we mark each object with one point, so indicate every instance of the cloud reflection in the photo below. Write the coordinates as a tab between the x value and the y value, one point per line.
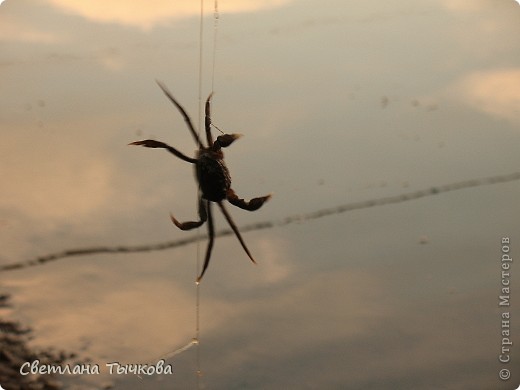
464	5
111	312
495	92
14	29
348	329
147	14
274	261
50	188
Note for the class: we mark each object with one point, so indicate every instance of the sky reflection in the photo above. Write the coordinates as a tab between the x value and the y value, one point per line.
339	102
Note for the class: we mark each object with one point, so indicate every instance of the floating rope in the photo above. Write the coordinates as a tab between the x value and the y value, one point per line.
326	212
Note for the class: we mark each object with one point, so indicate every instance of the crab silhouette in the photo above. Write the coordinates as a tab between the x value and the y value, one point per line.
212	176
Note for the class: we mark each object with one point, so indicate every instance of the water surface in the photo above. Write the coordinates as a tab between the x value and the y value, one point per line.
339	102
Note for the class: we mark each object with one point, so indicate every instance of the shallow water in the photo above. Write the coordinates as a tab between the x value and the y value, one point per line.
339	103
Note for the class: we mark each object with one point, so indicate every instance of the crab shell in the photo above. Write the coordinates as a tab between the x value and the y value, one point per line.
213	175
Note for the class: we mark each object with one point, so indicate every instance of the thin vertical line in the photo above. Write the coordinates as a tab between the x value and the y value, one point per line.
197	284
215	31
201	38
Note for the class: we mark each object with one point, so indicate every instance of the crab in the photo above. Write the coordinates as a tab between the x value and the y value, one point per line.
213	178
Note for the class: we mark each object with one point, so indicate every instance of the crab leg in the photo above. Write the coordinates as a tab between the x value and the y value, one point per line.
211	234
150	143
235	229
207	120
184	114
193	224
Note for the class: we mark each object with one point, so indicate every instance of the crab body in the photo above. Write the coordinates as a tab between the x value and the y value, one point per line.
213	175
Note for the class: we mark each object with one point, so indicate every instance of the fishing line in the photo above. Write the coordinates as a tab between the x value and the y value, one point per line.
196	339
215	33
198	371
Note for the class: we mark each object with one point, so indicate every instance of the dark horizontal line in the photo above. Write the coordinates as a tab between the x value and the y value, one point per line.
404	197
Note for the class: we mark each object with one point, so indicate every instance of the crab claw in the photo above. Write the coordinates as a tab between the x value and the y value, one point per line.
227	139
149	143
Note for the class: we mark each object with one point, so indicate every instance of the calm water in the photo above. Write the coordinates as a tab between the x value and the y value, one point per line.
339	102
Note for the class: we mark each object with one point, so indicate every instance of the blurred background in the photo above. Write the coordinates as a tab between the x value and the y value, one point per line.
339	102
